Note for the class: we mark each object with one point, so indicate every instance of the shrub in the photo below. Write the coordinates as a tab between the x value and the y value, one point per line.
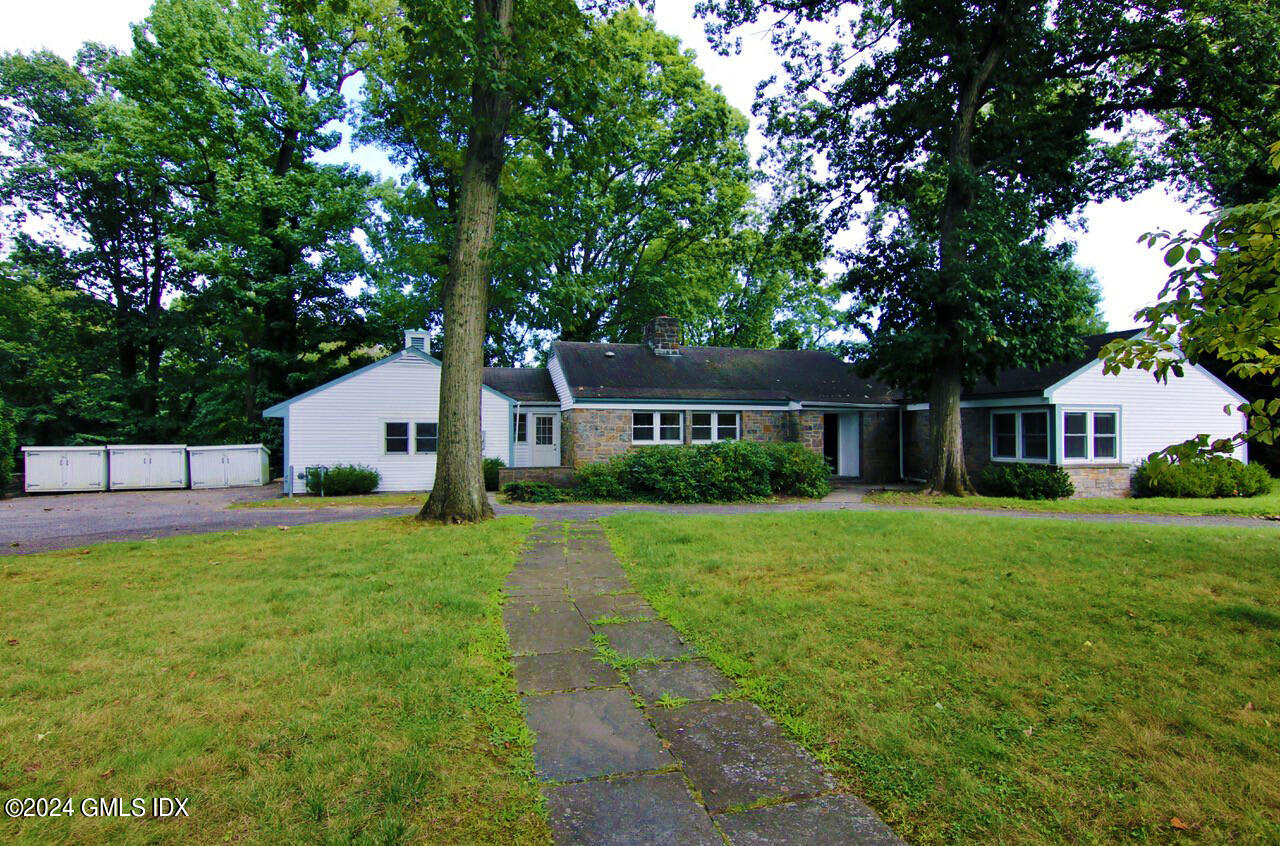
491	468
1200	476
342	480
8	446
600	481
533	492
1024	481
797	471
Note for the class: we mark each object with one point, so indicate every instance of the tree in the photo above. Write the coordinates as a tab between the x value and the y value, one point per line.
1222	301
452	81
975	127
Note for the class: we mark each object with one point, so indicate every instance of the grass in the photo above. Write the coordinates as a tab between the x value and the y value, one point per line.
984	680
1259	506
343	683
383	500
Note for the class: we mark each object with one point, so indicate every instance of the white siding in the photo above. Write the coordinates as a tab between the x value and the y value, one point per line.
343	423
1154	415
560	383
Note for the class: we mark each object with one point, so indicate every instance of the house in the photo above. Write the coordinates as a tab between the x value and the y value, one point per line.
593	401
1098	427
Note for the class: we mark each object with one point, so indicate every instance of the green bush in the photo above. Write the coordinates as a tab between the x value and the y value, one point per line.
795	470
1200	476
8	446
533	492
728	471
342	480
1024	481
491	468
600	481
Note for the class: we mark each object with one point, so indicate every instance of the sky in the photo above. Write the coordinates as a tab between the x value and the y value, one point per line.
1131	274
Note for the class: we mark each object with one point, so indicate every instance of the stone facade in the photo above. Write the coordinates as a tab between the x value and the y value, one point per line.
560	477
662	334
879	446
810	429
594	434
1101	480
768	426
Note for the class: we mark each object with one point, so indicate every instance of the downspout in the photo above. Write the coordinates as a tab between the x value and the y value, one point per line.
511	441
902	461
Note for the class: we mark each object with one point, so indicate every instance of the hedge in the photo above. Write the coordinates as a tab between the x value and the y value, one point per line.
342	480
491	468
1024	481
1200	476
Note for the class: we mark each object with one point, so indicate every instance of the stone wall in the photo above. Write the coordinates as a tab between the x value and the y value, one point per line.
1101	480
915	438
879	446
594	434
768	426
560	477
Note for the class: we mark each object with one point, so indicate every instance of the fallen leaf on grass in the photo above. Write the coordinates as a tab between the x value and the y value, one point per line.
1179	824
13	641
1248	706
108	774
283	528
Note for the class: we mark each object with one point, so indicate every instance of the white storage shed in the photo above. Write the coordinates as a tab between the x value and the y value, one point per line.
239	465
139	466
65	469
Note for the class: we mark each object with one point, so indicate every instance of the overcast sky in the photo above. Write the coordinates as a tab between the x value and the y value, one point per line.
1131	275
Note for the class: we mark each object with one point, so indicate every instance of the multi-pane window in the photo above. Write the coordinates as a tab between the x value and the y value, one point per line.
1090	435
521	423
425	437
544	430
1020	435
713	426
656	426
397	438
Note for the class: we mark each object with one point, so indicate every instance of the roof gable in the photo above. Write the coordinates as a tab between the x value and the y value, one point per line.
523	384
1027	381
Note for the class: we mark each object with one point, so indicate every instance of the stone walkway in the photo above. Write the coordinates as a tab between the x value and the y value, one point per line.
619	768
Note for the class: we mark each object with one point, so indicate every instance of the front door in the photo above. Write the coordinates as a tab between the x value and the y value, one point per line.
546	440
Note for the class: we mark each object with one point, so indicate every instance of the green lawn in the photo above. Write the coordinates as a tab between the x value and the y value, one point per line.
330	684
989	680
384	500
1259	506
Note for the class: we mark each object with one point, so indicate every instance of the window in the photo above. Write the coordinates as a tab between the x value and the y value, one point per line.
1104	434
1035	435
544	430
1004	435
425	437
713	426
1020	435
642	426
654	426
521	424
397	438
1090	435
1075	434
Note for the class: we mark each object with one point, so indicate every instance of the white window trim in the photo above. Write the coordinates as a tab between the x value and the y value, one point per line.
1017	416
657	425
1089	411
715	426
413	436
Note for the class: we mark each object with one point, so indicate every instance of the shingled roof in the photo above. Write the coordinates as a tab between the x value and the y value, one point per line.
523	384
634	371
1025	381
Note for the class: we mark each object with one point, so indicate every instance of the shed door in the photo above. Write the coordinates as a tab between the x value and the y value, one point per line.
128	468
544	431
207	469
243	467
167	467
82	470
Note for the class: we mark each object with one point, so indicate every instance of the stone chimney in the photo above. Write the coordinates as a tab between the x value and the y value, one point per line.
662	334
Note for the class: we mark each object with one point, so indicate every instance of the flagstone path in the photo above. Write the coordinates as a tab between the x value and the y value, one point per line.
619	769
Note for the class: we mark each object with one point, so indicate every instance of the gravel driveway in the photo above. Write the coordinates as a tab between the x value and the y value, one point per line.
59	521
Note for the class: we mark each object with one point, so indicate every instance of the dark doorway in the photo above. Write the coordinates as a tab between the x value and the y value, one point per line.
831	441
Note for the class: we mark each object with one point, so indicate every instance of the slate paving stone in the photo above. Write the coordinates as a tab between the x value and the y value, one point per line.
595	606
591	586
735	754
591	733
652	639
631	811
562	671
824	821
692	680
545	625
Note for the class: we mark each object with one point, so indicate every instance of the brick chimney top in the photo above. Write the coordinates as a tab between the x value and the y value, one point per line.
662	334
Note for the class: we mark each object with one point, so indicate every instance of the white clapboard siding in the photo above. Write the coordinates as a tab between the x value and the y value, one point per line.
1154	414
342	423
560	383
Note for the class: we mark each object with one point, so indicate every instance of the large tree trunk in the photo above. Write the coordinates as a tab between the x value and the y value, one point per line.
946	442
457	495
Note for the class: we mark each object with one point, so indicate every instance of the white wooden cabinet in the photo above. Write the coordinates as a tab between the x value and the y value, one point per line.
143	466
240	465
65	469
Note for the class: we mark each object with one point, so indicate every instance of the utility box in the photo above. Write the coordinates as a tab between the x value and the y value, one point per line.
239	465
145	466
65	469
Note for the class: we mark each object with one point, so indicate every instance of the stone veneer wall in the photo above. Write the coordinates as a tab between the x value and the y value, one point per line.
594	434
879	449
1098	480
560	477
